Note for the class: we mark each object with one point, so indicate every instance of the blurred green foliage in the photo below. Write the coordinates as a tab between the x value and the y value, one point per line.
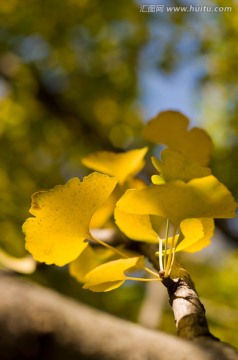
69	85
68	81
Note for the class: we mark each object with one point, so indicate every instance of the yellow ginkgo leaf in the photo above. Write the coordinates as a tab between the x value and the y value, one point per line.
136	227
208	229
170	128
197	234
103	215
174	166
111	275
200	244
57	233
120	165
177	200
134	183
24	265
89	259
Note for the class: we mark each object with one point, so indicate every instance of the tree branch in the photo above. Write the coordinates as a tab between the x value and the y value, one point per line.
37	323
189	312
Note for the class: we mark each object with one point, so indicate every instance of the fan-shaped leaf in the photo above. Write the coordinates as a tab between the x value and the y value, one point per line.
25	265
111	275
120	165
89	259
170	128
174	166
177	200
197	234
136	227
62	215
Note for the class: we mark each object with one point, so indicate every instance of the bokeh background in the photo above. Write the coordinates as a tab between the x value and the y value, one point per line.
84	75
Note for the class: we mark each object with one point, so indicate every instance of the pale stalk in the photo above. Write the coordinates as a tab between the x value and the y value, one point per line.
141	279
173	256
166	243
161	254
168	266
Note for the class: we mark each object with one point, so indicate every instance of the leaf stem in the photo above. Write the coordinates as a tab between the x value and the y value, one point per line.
151	272
161	254
166	243
118	252
173	256
141	279
171	250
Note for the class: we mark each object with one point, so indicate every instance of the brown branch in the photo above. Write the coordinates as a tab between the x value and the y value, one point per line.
37	323
189	312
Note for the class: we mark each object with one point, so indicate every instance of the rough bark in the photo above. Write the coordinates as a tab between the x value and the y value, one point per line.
189	312
37	323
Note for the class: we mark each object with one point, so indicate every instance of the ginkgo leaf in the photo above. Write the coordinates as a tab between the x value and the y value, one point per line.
136	227
197	234
133	183
170	128
177	200
174	166
199	245
89	259
57	233
24	265
92	257
103	216
120	165
111	275
159	224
